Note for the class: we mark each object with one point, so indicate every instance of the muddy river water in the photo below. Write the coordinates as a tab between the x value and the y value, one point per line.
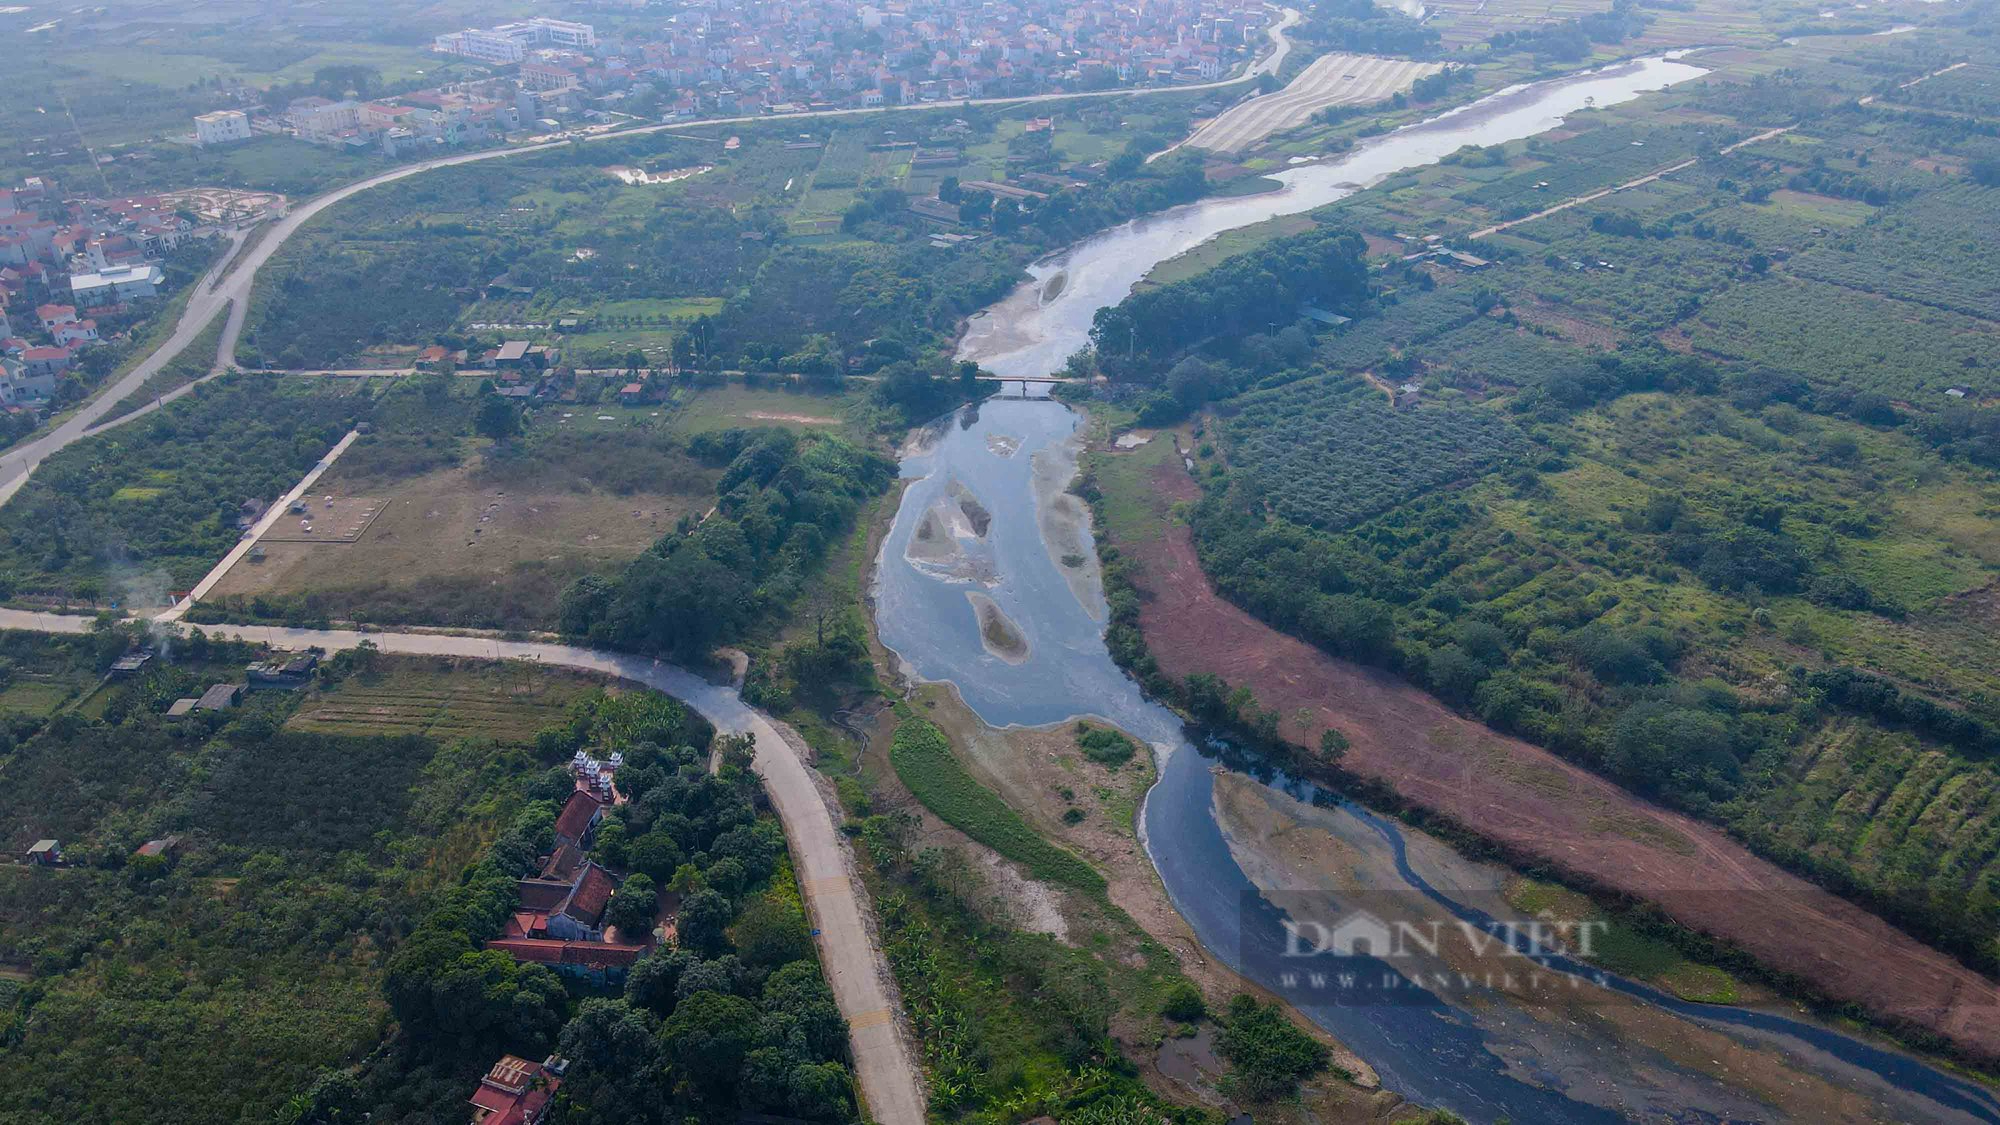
987	580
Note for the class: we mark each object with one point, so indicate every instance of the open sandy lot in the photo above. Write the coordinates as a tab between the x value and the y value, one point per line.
446	527
1330	80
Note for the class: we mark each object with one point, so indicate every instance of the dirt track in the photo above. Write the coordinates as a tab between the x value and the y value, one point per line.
1538	805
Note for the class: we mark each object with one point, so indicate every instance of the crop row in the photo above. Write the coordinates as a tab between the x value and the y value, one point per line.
1329	451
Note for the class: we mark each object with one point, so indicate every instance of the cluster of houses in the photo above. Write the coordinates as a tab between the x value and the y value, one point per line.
100	254
531	373
780	55
560	918
282	673
770	56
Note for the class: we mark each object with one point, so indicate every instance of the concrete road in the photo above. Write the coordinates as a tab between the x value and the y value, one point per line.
1330	80
834	897
269	520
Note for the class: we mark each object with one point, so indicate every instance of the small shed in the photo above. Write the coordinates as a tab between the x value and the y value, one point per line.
164	846
43	853
181	707
292	672
220	697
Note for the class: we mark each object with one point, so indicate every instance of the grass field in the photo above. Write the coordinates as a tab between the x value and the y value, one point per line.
923	761
450	547
38	694
1622	948
735	405
444	700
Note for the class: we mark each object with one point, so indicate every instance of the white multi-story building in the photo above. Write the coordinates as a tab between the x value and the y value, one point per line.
511	42
120	283
221	127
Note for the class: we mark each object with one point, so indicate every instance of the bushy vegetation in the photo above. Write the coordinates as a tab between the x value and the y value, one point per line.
156	502
1268	1056
302	865
1368	28
1104	746
1242	295
923	761
782	499
1008	1022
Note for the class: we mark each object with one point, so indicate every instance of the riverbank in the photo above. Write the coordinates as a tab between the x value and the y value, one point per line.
1090	810
1535	807
1602	1048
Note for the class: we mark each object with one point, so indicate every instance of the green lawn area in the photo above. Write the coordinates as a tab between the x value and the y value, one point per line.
735	405
1131	508
923	761
41	695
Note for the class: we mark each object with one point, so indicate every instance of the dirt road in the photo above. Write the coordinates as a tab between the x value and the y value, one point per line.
1628	184
835	900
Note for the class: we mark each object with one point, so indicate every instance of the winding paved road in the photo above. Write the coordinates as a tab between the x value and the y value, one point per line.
853	963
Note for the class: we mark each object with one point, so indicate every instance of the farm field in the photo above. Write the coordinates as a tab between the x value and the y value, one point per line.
444	700
734	406
454	547
302	862
1528	799
1739	559
1835	336
1329	80
1329	451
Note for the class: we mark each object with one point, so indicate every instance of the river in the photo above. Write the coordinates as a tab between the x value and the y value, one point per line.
987	581
1027	334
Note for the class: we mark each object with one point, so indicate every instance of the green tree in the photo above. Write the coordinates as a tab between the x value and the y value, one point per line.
497	418
772	932
706	1040
704	921
1268	1056
633	908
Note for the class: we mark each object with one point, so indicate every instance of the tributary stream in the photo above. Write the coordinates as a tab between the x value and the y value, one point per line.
987	581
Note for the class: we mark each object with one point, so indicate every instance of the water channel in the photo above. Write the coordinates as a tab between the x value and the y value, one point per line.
986	581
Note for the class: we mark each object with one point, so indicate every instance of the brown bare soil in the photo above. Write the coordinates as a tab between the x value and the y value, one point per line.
507	550
1541	807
